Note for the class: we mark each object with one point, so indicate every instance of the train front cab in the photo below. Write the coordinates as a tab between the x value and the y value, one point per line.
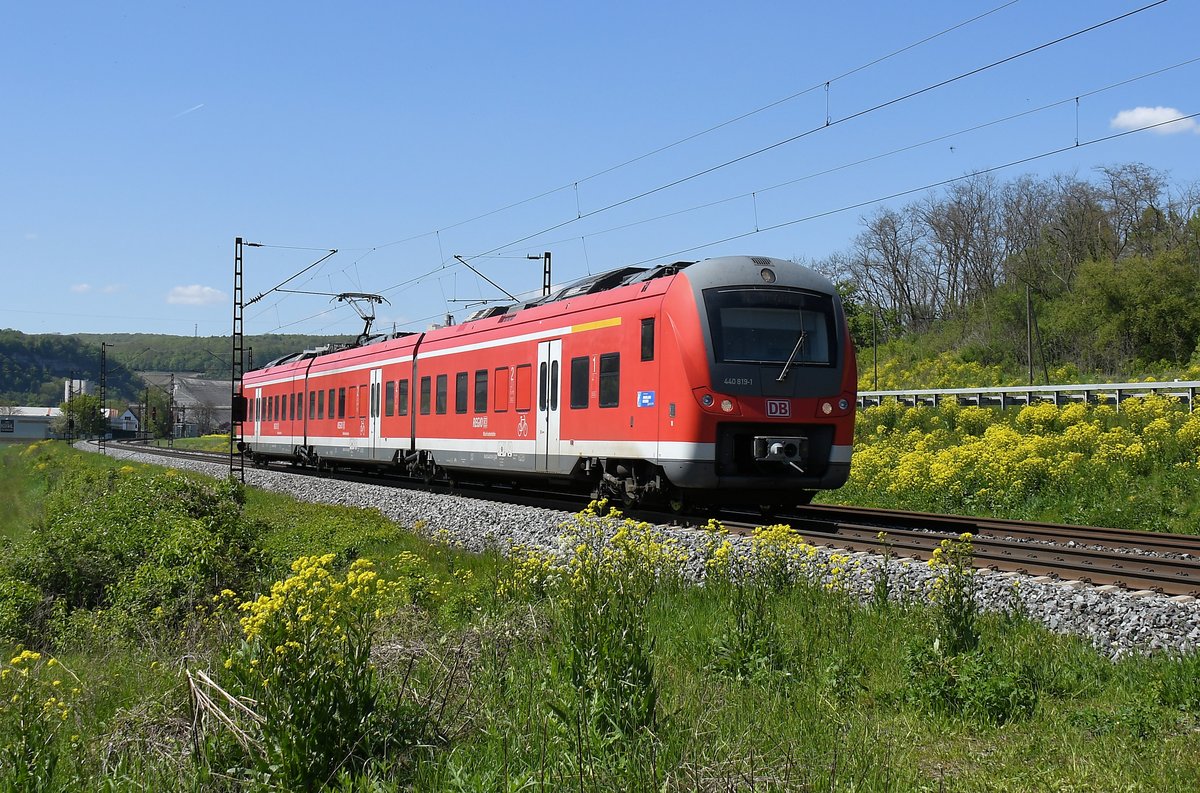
763	347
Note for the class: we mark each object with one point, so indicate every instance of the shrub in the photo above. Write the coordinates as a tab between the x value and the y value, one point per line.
35	705
140	544
305	663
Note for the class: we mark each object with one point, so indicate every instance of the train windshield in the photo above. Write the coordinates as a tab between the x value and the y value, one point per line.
778	325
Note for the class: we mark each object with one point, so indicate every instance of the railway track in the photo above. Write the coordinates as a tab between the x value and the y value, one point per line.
1165	563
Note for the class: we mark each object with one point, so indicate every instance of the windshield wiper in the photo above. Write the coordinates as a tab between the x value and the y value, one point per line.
792	357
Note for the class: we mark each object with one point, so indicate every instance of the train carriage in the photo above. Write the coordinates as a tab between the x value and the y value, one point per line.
730	380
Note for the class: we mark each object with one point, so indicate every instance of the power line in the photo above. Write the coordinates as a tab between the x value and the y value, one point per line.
922	188
872	158
828	124
575	182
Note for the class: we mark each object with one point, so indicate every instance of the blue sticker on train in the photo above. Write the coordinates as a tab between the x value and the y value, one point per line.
645	399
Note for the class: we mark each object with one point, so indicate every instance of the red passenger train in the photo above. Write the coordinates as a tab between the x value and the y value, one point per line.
729	380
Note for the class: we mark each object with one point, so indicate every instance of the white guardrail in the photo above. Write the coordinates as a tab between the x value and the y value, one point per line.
1009	396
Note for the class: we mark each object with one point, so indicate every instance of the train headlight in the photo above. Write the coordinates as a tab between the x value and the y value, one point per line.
843	404
826	408
726	405
707	400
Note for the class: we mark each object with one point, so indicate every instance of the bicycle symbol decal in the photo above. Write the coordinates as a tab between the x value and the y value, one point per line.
522	428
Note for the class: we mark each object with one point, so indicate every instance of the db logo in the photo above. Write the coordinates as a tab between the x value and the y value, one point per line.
779	409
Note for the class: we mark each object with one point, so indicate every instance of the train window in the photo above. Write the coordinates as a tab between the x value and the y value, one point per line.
402	398
481	382
292	406
579	382
374	400
341	403
425	383
321	404
524	387
787	327
500	401
542	386
312	405
460	392
610	379
331	393
440	395
648	339
389	398
554	385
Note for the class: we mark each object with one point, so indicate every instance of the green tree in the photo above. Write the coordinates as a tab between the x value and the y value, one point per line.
81	418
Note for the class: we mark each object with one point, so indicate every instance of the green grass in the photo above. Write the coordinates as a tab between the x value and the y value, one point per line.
21	491
476	686
204	443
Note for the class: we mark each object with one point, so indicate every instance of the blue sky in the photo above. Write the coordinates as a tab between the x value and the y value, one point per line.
139	139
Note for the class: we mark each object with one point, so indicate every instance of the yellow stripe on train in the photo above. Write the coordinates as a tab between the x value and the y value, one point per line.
600	323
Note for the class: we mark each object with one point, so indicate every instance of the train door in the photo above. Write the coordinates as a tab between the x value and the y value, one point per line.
375	410
258	400
549	366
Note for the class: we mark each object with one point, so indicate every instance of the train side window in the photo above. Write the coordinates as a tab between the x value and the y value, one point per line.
292	406
460	392
299	406
610	379
272	402
542	386
321	404
481	385
312	405
425	388
500	400
440	395
374	400
579	382
524	387
341	403
402	397
331	393
389	398
648	339
554	385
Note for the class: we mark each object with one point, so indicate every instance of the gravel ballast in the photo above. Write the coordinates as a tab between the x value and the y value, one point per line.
1117	622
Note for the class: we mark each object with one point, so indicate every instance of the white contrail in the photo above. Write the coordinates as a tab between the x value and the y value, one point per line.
189	110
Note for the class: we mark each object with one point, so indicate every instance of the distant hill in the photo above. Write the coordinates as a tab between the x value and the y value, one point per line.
207	356
34	366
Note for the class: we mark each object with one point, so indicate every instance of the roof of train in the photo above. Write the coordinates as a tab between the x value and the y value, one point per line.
590	285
